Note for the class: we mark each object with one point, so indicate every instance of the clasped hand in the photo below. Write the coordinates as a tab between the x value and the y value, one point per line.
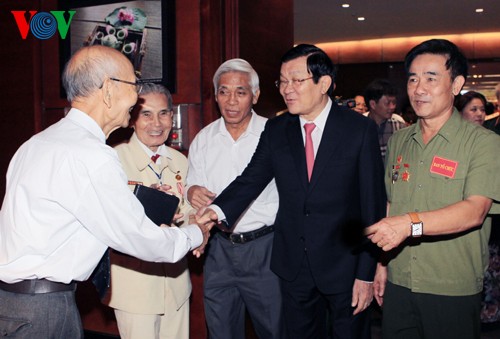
205	218
389	232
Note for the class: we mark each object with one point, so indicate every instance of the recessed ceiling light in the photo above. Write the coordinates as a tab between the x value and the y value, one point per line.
361	18
345	5
479	10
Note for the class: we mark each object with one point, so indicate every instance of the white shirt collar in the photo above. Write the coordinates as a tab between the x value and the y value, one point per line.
251	128
162	150
320	120
83	119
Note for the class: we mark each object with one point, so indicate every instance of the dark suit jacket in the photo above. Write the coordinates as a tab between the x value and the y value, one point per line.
325	217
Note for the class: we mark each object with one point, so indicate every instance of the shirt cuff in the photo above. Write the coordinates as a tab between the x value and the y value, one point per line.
186	189
194	235
218	211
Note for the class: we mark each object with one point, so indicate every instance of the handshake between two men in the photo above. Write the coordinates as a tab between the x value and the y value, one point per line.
200	198
205	218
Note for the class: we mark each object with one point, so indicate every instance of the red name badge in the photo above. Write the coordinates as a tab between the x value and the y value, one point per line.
444	167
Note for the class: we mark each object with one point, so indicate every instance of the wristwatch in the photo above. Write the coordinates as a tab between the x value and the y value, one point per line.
416	225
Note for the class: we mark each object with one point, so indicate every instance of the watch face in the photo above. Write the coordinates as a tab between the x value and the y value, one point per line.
417	229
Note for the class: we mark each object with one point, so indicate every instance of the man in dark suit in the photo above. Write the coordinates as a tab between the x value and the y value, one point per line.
329	191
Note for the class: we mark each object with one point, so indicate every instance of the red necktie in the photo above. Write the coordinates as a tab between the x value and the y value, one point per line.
155	157
309	149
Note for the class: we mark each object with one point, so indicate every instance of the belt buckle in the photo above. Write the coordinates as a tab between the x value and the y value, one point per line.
237	238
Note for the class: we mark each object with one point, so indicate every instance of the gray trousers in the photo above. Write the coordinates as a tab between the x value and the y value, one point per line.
238	277
48	315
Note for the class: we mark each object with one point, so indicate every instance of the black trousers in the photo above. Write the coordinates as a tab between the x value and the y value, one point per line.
309	313
409	315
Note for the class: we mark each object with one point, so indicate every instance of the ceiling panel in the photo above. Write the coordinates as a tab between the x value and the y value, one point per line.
321	21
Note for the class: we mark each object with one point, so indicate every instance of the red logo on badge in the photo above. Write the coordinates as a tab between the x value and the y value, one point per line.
444	167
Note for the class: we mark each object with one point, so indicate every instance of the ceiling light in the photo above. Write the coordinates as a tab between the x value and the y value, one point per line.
345	5
361	18
479	10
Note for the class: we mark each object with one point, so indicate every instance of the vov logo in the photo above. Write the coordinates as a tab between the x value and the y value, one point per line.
43	25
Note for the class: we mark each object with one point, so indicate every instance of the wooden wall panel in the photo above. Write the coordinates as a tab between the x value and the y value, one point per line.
213	46
266	33
188	60
19	85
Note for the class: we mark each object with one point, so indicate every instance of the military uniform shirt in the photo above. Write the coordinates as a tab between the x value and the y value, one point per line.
461	160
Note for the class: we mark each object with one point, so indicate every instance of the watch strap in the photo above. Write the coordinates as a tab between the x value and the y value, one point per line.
416	225
414	217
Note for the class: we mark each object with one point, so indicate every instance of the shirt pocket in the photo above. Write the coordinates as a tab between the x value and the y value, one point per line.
445	190
400	191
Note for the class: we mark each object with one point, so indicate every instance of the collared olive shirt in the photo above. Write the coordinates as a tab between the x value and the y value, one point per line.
461	160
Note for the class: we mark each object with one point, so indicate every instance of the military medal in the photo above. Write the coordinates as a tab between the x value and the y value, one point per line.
180	186
406	175
395	173
395	169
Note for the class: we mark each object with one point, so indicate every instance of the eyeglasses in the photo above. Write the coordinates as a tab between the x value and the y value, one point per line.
294	82
138	84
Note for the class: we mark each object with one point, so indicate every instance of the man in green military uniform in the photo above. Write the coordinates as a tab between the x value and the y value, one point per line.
441	181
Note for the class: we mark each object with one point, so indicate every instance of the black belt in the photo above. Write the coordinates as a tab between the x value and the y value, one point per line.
37	286
241	238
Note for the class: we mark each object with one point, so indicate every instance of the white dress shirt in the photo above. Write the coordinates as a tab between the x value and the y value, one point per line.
216	159
320	123
67	200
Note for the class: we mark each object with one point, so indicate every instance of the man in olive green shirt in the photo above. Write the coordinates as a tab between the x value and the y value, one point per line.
442	181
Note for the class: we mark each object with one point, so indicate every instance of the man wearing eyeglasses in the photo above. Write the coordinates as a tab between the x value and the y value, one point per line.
67	200
329	178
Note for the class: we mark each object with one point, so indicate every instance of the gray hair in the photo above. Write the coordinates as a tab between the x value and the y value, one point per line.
84	75
150	87
237	65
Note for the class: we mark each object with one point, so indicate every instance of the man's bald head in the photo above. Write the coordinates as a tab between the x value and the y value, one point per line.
89	66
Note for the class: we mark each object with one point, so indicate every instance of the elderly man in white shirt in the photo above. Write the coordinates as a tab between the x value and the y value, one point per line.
237	274
67	200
